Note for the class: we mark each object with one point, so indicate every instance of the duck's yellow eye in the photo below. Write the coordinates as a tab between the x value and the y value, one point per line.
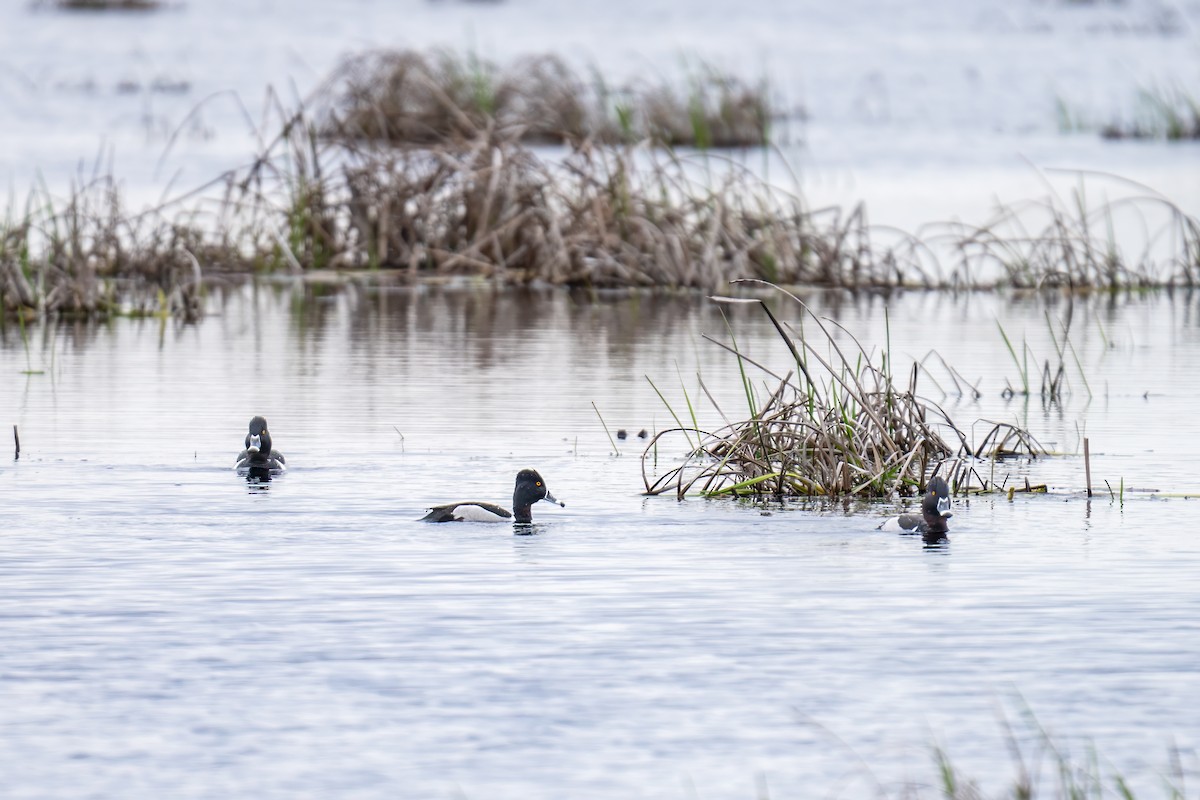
539	483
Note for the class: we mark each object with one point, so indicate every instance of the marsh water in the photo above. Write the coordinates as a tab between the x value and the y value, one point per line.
171	630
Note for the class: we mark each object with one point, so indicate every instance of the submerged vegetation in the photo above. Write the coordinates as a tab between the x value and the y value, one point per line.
428	174
836	424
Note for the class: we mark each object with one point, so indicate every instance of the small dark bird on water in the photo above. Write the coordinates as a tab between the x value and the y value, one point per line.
935	510
529	489
259	454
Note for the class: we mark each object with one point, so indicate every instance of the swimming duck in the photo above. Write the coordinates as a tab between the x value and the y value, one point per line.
259	454
528	490
935	510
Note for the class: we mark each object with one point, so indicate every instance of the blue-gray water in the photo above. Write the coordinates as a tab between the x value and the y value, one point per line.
168	631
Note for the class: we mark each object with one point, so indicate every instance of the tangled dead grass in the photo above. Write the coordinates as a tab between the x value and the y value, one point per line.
835	425
87	257
1073	244
407	97
488	206
603	217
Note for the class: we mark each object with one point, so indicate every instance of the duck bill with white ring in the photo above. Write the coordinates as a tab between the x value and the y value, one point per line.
943	507
529	489
254	445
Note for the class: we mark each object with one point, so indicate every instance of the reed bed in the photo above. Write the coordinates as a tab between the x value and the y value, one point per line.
603	217
485	205
835	425
1140	240
85	256
409	97
638	216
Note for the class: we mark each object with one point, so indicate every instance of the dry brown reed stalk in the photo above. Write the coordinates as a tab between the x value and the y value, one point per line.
602	217
635	216
1068	243
485	205
835	425
414	98
86	256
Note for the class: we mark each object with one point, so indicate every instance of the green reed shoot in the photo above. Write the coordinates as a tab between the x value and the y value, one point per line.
603	424
1021	363
746	387
687	398
678	423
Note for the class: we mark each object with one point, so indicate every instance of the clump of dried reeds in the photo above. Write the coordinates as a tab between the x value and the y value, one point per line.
86	256
638	216
835	425
601	217
1138	241
487	205
414	98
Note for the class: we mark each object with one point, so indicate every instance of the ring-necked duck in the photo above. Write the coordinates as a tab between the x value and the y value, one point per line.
529	489
259	454
935	510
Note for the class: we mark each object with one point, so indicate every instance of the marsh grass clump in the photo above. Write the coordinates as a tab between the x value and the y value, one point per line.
408	97
1140	240
716	110
834	425
484	211
412	98
472	199
603	217
85	256
638	216
1055	383
1170	114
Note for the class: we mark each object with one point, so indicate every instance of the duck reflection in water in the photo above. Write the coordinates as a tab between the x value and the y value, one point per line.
257	477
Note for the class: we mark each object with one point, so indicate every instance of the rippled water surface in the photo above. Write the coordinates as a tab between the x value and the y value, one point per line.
171	631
